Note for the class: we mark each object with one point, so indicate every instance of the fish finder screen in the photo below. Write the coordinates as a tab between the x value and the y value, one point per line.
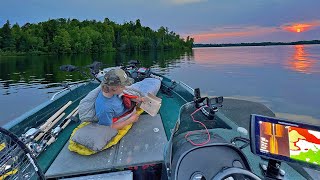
288	140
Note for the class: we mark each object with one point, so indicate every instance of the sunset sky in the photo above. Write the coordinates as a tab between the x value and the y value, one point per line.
208	21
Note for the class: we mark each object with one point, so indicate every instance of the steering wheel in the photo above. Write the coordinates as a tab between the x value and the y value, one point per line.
234	170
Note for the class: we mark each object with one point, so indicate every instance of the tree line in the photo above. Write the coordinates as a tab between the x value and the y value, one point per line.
258	44
65	36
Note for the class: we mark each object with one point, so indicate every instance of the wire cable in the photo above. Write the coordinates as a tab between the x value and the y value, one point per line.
193	132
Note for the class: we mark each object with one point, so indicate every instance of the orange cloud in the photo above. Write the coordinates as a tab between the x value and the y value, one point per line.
247	31
251	31
298	28
301	26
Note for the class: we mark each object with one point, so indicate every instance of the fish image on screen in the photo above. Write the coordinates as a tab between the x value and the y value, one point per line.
274	139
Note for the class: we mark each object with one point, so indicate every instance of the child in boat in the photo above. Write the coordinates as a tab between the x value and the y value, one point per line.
101	106
109	105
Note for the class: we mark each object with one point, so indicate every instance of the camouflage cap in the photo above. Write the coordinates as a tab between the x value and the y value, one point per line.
117	77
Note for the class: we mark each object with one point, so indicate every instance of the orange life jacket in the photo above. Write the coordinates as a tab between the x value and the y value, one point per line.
126	98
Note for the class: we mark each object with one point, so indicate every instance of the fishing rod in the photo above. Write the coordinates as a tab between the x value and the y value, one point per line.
38	139
47	138
11	162
18	153
48	127
62	126
33	133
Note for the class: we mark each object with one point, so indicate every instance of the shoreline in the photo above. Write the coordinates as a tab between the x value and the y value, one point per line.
313	42
40	53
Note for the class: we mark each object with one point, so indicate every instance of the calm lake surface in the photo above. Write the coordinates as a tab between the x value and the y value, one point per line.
284	78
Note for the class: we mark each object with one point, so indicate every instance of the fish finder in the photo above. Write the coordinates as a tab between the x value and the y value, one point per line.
284	140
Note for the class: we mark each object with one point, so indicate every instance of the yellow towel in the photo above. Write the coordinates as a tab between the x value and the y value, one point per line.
80	149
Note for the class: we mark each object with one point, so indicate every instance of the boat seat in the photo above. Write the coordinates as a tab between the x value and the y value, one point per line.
144	144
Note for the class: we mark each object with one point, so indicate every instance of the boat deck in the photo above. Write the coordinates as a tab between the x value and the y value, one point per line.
144	144
239	111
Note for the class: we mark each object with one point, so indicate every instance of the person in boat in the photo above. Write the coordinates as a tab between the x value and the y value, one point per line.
109	105
106	117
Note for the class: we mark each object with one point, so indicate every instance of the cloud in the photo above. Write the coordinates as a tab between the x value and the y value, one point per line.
229	32
241	31
301	26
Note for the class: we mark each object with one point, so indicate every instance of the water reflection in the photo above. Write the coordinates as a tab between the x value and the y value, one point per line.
240	56
301	60
27	81
42	72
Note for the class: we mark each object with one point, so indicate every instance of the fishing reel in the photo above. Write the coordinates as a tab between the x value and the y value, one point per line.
29	135
35	148
131	66
136	72
209	106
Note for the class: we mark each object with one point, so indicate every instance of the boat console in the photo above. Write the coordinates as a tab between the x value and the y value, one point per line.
197	149
204	145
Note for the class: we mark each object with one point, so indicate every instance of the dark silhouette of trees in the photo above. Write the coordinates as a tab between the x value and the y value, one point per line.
65	36
6	40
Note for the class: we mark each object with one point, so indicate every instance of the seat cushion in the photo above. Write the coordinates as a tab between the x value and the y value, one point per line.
87	144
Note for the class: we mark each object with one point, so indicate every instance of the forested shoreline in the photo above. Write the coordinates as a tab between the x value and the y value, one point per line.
259	44
65	36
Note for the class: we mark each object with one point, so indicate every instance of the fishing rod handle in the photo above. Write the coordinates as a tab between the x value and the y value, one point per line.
53	117
48	127
66	124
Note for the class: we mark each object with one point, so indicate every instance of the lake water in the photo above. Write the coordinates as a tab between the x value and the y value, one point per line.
284	78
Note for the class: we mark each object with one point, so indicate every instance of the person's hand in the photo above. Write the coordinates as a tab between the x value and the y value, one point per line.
141	99
134	118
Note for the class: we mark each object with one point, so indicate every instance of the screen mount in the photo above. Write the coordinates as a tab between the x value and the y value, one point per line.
272	170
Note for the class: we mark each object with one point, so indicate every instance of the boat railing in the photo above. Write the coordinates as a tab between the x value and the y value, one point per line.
188	88
70	88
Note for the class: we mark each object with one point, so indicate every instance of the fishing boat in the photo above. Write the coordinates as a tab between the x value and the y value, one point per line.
192	137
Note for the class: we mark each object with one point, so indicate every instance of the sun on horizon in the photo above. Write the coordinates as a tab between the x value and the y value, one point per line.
298	28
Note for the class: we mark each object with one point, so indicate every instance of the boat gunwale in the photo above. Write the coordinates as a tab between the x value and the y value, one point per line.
36	109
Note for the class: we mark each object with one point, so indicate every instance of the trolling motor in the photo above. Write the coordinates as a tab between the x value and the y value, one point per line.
94	72
209	106
94	69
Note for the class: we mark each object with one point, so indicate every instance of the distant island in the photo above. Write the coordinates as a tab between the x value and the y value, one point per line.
258	44
71	36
